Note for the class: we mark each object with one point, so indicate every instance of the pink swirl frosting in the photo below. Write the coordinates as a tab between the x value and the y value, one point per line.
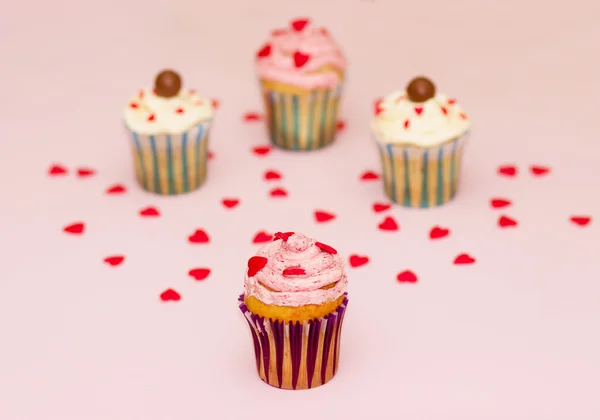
294	56
310	267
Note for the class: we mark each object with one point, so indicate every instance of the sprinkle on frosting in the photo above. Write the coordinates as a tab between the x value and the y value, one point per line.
295	272
283	236
326	248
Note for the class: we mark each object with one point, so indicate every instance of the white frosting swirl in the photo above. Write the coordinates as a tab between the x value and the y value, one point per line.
435	121
148	113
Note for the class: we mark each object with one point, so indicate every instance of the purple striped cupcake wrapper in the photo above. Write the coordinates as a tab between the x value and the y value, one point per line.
296	355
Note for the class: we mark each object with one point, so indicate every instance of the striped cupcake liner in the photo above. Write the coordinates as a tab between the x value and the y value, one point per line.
296	355
422	177
171	164
302	122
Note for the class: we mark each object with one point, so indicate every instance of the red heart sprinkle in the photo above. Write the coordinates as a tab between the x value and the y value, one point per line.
199	273
255	264
262	237
149	212
271	174
418	110
341	125
299	24
581	220
57	169
505	221
199	237
539	170
264	51
300	59
151	117
179	110
451	101
230	202
444	110
377	105
407	277
85	172
323	216
463	259
252	116
215	103
75	228
278	192
508	170
283	235
211	155
261	150
170	294
358	260
379	207
406	123
116	189
389	223
326	248
438	232
114	260
463	116
133	105
293	271
498	203
369	176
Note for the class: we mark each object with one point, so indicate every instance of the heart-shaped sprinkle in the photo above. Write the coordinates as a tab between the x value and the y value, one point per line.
323	216
252	117
265	51
75	228
230	202
406	123
418	110
406	276
179	111
278	192
379	207
377	106
57	169
293	271
300	59
255	264
463	259
170	294
262	237
539	170
325	248
283	235
271	175
261	150
151	117
451	101
389	224
114	260
199	273
507	170
199	237
438	232
85	172
358	260
116	189
133	105
444	110
149	212
369	176
498	203
215	103
299	24
505	221
581	220
340	126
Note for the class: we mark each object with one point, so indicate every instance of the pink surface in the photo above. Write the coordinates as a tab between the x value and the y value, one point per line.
513	336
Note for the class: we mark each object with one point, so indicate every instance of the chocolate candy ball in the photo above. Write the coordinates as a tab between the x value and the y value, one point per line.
167	84
420	89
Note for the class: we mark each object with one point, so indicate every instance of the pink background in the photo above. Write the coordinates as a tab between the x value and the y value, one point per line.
513	336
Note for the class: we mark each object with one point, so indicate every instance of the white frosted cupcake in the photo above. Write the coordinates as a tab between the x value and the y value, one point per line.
169	128
420	135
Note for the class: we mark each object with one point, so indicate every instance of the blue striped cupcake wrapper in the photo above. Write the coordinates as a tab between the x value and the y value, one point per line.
422	177
302	122
171	163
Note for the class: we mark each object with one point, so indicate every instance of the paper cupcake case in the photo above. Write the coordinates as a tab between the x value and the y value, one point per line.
296	355
422	176
302	121
171	164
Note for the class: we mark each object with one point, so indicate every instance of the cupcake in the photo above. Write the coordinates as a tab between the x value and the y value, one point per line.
294	301
169	129
420	135
301	72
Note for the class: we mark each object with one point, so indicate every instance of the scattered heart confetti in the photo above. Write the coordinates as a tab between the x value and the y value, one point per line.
261	150
170	294
116	189
323	216
262	237
377	106
379	207
252	117
278	192
230	202
326	248
199	273
407	276
581	220
341	125
369	176
199	237
76	228
539	170
508	170
293	271
463	259
255	264
498	203
264	51
215	103
389	224
56	170
114	260
358	260
418	110
438	232
272	175
282	235
85	172
149	212
300	59
299	24
505	221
